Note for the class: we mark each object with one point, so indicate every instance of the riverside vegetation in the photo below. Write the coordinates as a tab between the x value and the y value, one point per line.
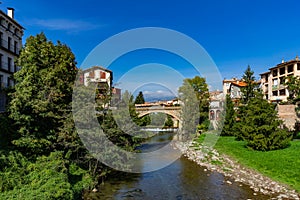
254	137
41	154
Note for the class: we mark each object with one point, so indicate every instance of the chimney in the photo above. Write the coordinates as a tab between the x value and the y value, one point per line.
297	57
10	12
282	61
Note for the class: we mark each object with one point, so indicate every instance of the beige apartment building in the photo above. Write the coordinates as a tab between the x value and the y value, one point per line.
272	81
11	33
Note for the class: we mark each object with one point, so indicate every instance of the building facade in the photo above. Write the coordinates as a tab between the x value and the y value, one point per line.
102	78
216	107
232	87
272	81
99	75
11	33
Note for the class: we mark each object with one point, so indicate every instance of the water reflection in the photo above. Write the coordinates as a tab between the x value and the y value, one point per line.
181	180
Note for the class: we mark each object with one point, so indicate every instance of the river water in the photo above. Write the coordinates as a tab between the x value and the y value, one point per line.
183	179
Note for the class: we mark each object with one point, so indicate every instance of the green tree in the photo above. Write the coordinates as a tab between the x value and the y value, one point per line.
145	121
201	91
293	86
229	119
169	122
189	110
157	119
43	93
249	90
139	98
260	126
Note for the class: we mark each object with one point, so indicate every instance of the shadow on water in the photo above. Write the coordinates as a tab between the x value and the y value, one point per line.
182	179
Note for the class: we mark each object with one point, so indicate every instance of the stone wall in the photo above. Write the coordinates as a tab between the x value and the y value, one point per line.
288	115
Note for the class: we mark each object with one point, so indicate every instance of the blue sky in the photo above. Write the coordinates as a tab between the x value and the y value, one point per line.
235	33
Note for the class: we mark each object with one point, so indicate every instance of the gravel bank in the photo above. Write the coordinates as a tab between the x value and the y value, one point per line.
214	161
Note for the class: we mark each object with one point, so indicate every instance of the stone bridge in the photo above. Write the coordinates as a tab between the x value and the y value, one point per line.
173	111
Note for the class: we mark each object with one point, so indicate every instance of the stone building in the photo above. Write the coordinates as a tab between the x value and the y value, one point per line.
11	33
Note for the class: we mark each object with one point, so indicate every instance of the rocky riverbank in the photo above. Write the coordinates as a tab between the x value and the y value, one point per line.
213	161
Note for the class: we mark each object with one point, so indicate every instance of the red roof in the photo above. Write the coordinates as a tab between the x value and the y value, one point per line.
239	83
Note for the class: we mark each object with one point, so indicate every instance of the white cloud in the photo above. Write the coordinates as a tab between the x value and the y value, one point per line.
64	24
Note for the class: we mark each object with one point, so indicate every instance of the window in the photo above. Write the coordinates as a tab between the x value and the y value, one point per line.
9	64
282	70
1	39
275	93
275	82
9	27
212	115
1	63
267	78
267	96
290	68
275	72
281	80
218	113
282	92
2	21
16	47
298	66
102	75
9	43
8	82
92	74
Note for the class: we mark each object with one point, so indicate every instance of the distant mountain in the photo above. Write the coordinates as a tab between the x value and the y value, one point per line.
152	98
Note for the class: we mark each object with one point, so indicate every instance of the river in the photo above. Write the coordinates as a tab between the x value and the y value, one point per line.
183	179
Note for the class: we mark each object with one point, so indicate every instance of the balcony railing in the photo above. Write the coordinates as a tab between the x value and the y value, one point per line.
274	87
281	86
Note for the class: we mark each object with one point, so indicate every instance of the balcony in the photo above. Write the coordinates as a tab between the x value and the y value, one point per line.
274	87
281	86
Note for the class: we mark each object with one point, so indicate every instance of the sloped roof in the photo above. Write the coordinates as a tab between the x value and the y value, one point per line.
97	67
239	83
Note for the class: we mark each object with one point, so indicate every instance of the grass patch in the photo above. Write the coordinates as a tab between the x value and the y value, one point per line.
280	165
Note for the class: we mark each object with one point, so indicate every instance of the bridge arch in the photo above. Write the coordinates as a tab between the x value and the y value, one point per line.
172	111
168	113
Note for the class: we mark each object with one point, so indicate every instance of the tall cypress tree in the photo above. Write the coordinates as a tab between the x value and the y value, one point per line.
249	90
230	118
139	98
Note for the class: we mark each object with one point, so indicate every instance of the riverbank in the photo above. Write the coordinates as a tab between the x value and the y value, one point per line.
235	172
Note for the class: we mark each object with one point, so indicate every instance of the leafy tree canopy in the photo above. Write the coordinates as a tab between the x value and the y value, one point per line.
293	86
43	92
200	88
